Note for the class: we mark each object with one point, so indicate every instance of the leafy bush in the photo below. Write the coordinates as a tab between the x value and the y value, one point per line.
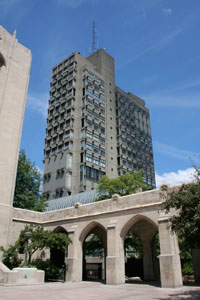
52	272
10	257
187	268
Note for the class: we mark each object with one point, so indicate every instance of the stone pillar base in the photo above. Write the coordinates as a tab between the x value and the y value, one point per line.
73	271
170	271
115	270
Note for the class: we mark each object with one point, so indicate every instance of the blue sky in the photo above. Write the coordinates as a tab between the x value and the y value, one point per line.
156	47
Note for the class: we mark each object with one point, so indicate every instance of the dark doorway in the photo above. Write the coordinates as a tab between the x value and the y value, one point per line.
133	249
57	257
94	255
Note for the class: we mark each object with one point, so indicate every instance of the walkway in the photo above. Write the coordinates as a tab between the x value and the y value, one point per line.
97	291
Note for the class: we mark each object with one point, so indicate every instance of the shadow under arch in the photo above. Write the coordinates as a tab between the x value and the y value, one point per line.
93	240
146	230
2	60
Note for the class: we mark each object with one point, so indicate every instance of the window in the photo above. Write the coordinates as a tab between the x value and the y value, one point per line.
90	93
69	160
102	163
89	146
95	175
102	152
96	149
102	130
88	157
101	99
82	145
96	96
88	173
95	160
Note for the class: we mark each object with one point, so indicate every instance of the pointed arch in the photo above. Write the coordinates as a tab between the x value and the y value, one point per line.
89	228
60	229
134	220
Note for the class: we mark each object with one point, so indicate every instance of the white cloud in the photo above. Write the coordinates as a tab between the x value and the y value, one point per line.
176	153
172	178
171	99
167	11
38	103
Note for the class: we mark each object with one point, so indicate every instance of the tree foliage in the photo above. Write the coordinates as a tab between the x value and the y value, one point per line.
133	245
122	185
186	201
27	188
93	246
39	240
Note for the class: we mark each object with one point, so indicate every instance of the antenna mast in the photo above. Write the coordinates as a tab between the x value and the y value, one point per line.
94	41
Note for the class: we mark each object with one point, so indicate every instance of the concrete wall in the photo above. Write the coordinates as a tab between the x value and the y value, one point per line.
112	219
14	78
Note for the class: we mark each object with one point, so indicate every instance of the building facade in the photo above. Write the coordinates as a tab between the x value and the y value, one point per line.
90	132
15	62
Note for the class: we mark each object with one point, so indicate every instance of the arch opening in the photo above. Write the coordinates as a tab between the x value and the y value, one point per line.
133	251
141	247
94	249
57	256
2	61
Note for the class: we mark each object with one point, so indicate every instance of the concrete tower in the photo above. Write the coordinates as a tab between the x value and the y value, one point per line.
93	127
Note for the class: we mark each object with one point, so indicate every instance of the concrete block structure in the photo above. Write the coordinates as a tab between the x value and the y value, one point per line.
93	128
111	220
15	61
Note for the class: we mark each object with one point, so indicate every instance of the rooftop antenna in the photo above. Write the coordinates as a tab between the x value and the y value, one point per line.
94	40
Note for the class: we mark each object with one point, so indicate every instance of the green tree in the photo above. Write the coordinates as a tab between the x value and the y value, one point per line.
186	201
27	188
39	240
133	245
93	246
122	185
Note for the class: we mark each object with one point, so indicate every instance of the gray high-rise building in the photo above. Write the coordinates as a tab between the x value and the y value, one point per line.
93	128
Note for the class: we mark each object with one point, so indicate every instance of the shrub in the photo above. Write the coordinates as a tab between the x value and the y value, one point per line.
52	272
10	257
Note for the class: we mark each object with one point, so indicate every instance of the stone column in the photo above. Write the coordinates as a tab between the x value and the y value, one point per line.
14	78
115	270
74	259
196	264
170	265
147	260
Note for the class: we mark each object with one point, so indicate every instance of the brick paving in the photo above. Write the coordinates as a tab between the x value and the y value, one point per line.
96	291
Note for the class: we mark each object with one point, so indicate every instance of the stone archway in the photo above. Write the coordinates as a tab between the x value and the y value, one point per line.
94	250
145	229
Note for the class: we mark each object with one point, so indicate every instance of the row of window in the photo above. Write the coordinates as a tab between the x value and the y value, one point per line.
98	97
92	76
92	147
60	148
69	102
95	160
69	62
87	112
93	125
92	85
90	174
92	136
